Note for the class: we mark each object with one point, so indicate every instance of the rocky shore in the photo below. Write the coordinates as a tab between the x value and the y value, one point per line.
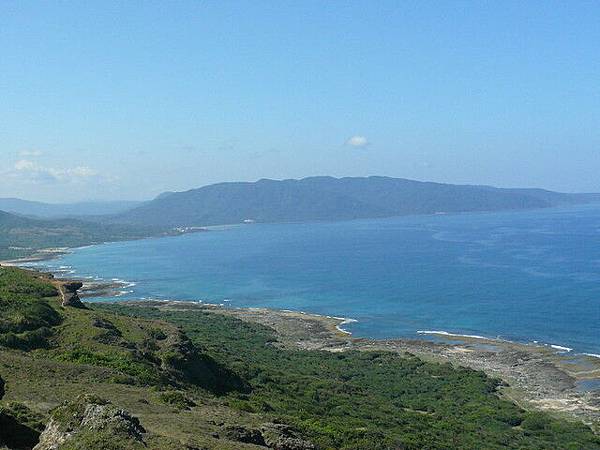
534	376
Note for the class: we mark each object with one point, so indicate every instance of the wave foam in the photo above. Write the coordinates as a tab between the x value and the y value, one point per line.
344	321
560	347
446	333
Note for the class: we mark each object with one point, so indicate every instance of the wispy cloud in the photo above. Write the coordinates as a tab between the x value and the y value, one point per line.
358	142
30	171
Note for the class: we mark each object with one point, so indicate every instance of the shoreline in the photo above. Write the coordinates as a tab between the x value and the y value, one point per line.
49	253
534	377
540	376
115	288
45	254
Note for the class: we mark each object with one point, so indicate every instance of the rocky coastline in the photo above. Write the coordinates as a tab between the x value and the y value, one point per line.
535	377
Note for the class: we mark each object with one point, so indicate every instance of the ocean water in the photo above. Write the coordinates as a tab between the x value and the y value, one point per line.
522	276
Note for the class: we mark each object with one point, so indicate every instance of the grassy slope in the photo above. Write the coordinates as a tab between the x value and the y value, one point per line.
233	374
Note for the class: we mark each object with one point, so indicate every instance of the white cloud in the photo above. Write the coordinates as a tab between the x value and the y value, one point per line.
24	164
358	141
30	153
32	172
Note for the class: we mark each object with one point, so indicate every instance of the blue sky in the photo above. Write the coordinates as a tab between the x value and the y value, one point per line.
128	99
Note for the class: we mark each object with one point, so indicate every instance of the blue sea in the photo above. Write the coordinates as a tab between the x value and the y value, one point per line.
529	276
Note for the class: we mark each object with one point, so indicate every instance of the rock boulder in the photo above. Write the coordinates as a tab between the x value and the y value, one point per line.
89	421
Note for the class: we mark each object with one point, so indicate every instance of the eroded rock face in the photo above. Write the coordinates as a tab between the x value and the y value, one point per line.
70	296
88	419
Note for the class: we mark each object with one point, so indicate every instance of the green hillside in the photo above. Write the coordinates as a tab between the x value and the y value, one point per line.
21	236
202	380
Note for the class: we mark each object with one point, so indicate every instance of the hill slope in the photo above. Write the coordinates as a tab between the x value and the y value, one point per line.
20	236
327	198
55	210
199	379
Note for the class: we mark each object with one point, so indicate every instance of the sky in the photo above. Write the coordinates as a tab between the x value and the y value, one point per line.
125	100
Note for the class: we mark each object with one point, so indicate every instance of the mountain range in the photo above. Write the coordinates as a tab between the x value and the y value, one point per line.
328	198
31	226
54	210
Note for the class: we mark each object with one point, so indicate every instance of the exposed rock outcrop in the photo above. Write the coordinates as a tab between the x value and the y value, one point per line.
90	420
283	437
70	296
245	435
271	435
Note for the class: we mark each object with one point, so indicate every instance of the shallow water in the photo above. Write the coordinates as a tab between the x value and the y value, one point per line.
588	385
521	276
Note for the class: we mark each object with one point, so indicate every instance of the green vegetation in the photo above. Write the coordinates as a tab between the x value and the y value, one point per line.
22	236
177	399
26	317
190	376
369	400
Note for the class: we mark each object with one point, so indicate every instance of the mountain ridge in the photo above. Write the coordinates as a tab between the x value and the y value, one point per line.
329	198
21	235
59	210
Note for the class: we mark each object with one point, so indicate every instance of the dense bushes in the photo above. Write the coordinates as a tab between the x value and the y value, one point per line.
348	400
26	317
370	400
143	372
28	340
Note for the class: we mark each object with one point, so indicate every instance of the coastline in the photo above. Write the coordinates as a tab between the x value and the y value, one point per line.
534	376
92	286
49	253
540	376
44	254
115	287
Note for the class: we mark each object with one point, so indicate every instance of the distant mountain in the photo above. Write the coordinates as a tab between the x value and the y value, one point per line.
327	198
22	236
54	210
164	195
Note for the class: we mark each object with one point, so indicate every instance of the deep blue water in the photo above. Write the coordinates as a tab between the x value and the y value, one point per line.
523	276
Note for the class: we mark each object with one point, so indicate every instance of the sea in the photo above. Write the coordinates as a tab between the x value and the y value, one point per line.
525	276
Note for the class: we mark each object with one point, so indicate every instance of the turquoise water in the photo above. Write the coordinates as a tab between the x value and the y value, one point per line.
523	276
